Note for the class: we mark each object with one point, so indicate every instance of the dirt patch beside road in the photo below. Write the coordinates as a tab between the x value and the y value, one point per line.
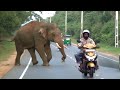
7	65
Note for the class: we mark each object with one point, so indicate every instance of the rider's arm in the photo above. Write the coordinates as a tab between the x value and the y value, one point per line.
80	45
92	42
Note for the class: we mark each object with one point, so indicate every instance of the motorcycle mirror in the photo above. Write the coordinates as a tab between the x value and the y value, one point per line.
78	41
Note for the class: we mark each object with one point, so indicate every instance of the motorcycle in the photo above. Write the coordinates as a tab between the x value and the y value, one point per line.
88	66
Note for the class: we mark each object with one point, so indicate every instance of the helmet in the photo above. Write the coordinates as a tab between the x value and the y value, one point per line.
86	31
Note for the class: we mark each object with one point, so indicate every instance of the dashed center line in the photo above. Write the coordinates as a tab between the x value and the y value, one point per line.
96	75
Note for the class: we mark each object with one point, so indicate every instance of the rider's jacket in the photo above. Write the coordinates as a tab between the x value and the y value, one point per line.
83	42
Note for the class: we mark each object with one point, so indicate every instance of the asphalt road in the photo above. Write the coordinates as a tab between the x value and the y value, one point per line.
108	67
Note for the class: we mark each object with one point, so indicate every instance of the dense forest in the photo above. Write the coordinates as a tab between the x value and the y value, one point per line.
100	23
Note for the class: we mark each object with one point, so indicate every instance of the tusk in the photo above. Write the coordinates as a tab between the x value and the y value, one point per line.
58	45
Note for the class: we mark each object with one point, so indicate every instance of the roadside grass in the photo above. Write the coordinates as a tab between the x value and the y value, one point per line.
105	48
6	48
109	49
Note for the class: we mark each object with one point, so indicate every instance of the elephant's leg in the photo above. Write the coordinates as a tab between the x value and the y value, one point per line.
19	53
48	52
41	52
32	53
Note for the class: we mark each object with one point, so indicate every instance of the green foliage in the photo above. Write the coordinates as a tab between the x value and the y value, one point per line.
10	21
100	23
6	48
73	27
107	33
109	49
106	17
59	19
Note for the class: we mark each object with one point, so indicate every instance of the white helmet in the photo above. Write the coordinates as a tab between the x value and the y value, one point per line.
86	31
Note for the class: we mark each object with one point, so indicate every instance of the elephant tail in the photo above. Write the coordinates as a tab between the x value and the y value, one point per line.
12	39
9	40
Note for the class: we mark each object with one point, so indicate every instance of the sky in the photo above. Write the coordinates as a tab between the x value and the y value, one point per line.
45	14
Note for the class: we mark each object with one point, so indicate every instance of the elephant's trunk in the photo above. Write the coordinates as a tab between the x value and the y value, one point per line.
61	48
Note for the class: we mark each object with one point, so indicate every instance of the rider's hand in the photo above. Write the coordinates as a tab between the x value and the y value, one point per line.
79	44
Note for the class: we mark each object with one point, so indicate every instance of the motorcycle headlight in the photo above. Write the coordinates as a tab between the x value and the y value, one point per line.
90	54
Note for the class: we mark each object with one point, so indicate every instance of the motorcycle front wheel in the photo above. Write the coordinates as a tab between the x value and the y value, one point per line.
91	72
85	74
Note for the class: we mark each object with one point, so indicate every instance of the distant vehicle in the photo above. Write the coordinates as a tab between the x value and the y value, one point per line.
67	40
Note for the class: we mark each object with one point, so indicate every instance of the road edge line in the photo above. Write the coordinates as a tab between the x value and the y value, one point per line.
25	69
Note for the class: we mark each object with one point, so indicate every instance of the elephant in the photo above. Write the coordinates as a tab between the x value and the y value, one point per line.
37	36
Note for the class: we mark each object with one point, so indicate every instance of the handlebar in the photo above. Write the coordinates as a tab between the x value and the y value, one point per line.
88	46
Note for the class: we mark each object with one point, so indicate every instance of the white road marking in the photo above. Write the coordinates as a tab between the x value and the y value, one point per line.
57	47
96	75
25	69
77	66
108	58
104	57
67	55
71	58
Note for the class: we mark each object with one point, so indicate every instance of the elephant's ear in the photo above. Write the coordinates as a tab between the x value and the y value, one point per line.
43	32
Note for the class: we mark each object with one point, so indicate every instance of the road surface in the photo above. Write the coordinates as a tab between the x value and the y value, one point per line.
108	68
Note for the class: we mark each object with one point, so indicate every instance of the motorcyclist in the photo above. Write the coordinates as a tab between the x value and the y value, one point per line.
84	40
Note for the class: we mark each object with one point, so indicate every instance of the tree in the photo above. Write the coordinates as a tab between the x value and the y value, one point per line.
10	21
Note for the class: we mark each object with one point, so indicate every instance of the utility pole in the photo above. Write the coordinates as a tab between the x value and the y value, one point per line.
65	22
39	19
50	19
116	30
81	24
